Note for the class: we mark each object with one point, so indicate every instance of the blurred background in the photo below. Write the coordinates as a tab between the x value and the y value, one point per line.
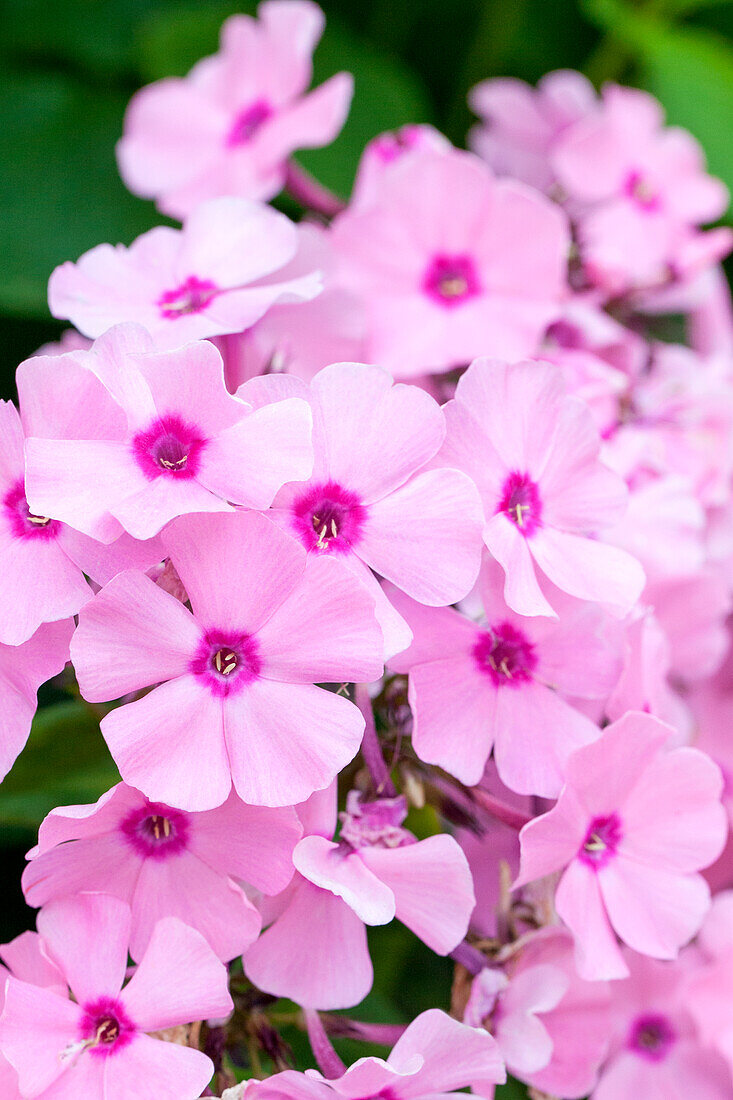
70	67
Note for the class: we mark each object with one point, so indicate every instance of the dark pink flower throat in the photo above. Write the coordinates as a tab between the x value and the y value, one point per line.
328	518
227	662
248	122
105	1028
23	523
170	447
156	831
506	655
601	841
520	502
652	1036
451	280
191	296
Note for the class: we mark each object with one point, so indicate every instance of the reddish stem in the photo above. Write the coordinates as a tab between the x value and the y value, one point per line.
328	1060
311	194
371	749
515	819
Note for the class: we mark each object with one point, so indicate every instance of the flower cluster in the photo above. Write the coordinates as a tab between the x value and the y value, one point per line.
403	506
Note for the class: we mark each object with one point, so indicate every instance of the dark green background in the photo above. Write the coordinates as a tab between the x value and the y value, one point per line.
69	68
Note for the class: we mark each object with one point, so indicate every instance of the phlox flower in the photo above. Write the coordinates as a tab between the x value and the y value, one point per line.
514	676
23	668
97	1045
167	439
449	261
632	826
229	127
435	1056
385	151
218	274
533	452
235	701
369	501
656	1051
707	990
43	562
315	950
165	862
520	125
641	188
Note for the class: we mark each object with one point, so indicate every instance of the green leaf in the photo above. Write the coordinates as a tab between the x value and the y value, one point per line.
59	187
65	761
170	43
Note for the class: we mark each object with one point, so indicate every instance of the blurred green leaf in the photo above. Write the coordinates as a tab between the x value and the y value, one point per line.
169	43
512	1090
60	192
65	761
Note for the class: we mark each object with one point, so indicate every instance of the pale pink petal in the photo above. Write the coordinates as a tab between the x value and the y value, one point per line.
454	1055
94	863
237	569
249	462
88	820
169	1070
468	447
435	631
325	630
343	872
186	888
375	434
602	774
655	910
251	843
312	121
178	980
146	512
524	1042
315	953
130	635
36	1026
233	241
395	631
551	841
40	585
588	569
70	925
170	745
510	548
580	905
286	741
425	537
432	886
103	561
455	737
26	958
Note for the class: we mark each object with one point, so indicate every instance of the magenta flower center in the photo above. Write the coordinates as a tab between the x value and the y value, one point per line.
652	1036
520	502
601	841
156	831
451	280
191	296
23	523
248	122
105	1028
328	518
170	447
505	654
227	662
642	192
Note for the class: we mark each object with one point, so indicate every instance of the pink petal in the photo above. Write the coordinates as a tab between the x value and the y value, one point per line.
457	738
169	1070
524	1042
40	585
432	886
249	462
91	820
237	569
251	843
324	631
588	569
26	957
287	740
375	434
425	536
580	905
70	925
178	980
454	1055
186	888
130	635
170	745
36	1026
536	733
103	561
312	121
344	874
95	863
234	241
551	841
395	631
602	774
435	631
146	512
521	588
315	953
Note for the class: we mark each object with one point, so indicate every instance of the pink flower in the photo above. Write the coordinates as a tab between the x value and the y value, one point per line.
656	1050
435	1056
533	452
450	261
166	863
642	188
707	990
43	561
630	829
161	437
521	125
96	1045
513	676
315	951
385	151
236	701
369	501
218	274
230	126
23	668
